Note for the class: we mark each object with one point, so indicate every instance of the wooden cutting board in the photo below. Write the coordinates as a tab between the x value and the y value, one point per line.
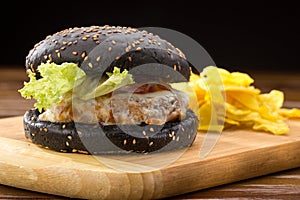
238	155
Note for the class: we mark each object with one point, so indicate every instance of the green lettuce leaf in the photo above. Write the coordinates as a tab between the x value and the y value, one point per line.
55	82
115	81
58	80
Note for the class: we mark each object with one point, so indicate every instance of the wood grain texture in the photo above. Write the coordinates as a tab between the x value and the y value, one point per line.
238	155
280	185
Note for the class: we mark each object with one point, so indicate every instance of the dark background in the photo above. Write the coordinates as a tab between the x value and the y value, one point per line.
242	36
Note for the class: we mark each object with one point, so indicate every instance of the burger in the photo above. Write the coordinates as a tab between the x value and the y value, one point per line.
106	90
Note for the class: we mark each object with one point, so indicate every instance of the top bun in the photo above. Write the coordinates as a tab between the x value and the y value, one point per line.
139	47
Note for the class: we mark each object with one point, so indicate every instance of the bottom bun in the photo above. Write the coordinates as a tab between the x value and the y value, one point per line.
110	139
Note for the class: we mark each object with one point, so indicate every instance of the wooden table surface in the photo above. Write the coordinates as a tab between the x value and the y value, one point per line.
281	185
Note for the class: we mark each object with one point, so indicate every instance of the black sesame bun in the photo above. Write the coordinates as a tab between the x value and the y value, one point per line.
65	137
74	45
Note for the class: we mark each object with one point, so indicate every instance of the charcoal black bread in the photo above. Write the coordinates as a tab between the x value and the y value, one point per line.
139	47
65	137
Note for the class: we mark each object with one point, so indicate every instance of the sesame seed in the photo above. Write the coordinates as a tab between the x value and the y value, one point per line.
138	49
142	39
151	143
177	139
158	43
170	135
45	130
64	42
128	48
96	35
151	129
45	57
67	143
56	50
83	54
133	141
41	129
75	53
98	58
173	138
75	42
144	132
174	67
97	42
109	48
118	57
50	57
124	142
129	59
87	36
58	54
69	137
90	65
95	39
64	35
109	32
63	48
179	67
79	132
63	126
70	43
74	150
84	38
48	36
85	58
133	45
113	42
169	51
